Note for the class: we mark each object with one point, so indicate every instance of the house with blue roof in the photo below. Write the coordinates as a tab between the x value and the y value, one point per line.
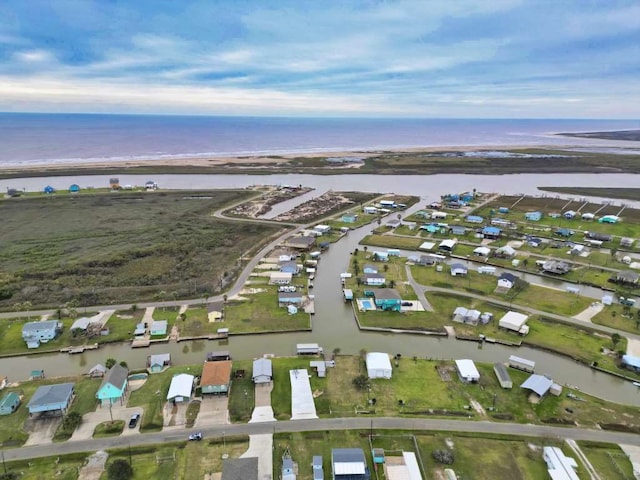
52	399
159	327
349	218
474	219
492	233
631	362
533	216
35	333
9	403
289	267
114	386
564	232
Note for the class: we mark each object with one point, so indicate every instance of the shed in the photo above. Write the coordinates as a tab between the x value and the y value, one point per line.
378	365
114	385
262	370
349	464
515	322
538	384
447	245
482	251
98	370
52	398
520	363
467	371
504	379
182	386
157	363
216	377
9	403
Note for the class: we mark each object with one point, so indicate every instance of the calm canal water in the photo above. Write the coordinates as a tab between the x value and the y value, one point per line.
333	324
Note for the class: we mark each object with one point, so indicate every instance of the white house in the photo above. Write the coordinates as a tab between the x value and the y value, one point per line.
262	370
467	370
370	210
507	280
506	251
438	215
378	365
374	279
515	322
559	466
181	388
482	251
280	278
321	229
458	269
447	245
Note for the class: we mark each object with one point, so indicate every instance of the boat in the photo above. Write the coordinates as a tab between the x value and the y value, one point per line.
637	384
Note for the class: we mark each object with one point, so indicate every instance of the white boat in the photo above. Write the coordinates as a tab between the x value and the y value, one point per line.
637	384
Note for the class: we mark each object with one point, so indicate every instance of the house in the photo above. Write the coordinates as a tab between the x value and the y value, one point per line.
474	219
159	327
438	215
569	214
302	242
447	245
370	210
533	216
555	266
9	403
280	278
465	315
240	469
523	364
218	356
349	218
215	311
290	298
507	280
491	233
157	363
216	378
564	232
368	268
467	371
321	229
182	386
349	464
35	333
53	399
505	252
289	267
458	269
514	321
374	279
49	189
427	260
316	465
587	216
504	379
388	204
381	256
501	222
81	324
609	219
503	210
431	228
534	241
75	188
114	385
631	362
626	242
538	384
387	299
626	277
262	370
559	466
458	230
97	371
601	237
482	251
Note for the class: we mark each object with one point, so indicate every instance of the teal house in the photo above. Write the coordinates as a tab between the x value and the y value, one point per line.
533	216
9	403
114	386
387	299
349	218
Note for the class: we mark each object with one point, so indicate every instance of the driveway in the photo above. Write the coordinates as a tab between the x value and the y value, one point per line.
261	446
175	416
41	430
214	410
92	419
262	411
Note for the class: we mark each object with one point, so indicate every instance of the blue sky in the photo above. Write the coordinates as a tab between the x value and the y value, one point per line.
417	58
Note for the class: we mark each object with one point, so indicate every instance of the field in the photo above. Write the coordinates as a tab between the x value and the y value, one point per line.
602	192
114	247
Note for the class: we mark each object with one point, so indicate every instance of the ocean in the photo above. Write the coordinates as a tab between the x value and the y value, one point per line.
38	139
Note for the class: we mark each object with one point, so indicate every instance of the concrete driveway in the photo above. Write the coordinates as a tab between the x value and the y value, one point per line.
214	410
41	429
92	419
262	411
261	446
174	416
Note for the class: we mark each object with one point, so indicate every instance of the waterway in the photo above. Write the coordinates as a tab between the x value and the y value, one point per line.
333	324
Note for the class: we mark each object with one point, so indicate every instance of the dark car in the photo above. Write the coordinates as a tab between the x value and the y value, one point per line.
407	304
133	421
195	437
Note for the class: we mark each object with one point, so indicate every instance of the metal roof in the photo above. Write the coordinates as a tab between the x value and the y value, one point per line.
538	384
182	384
262	366
116	376
51	394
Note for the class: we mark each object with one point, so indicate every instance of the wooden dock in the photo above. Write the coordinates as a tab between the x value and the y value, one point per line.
79	349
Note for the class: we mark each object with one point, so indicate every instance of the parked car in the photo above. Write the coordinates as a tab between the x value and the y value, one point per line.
133	421
407	304
195	437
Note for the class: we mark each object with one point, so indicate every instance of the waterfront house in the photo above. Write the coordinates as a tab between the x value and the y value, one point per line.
555	266
114	385
467	371
627	277
157	363
35	333
465	315
215	311
374	279
482	251
52	399
387	299
216	378
447	245
9	403
514	321
533	216
181	386
262	370
290	298
290	267
349	464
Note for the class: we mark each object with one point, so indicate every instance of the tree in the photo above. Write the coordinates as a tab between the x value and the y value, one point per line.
225	298
134	307
124	364
615	340
365	248
361	382
386	268
119	470
392	283
71	421
336	352
110	362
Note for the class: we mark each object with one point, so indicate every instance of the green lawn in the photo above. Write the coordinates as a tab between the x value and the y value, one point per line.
242	394
60	467
609	458
619	317
391	241
108	429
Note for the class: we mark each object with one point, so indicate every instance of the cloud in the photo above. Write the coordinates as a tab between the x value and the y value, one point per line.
411	57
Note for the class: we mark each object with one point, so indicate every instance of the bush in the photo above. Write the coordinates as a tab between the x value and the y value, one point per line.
119	470
444	457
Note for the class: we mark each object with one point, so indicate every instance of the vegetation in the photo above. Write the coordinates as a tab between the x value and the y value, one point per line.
602	192
102	248
119	470
108	429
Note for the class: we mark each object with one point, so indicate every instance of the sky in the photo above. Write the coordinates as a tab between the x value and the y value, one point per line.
386	58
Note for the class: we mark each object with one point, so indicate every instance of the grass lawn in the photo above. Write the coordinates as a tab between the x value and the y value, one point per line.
61	467
12	431
392	241
108	429
184	461
121	326
132	245
196	323
242	394
619	317
609	458
152	396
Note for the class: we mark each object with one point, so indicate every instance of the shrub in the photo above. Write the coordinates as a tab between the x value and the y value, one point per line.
444	457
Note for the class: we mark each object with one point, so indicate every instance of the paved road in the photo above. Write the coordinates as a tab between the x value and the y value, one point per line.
419	289
374	423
